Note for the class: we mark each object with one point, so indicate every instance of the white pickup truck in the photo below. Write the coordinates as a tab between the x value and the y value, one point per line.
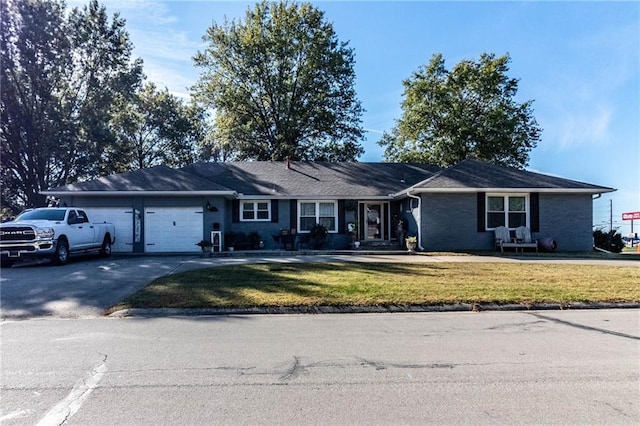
53	233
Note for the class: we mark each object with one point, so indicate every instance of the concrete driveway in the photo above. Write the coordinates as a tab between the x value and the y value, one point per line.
83	288
88	285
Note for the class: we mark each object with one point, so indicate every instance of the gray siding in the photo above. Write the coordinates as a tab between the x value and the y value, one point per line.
449	220
568	219
140	203
265	229
449	223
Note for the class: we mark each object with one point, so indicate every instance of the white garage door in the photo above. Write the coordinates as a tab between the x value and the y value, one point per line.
172	229
122	219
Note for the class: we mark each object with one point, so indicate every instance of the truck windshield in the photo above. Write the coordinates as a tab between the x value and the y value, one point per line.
49	214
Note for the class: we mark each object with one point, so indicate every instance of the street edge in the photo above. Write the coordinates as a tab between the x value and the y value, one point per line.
326	309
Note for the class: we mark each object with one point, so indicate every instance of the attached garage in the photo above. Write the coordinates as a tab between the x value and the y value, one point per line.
122	219
173	229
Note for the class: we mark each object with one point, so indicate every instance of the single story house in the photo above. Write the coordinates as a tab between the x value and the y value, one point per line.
166	210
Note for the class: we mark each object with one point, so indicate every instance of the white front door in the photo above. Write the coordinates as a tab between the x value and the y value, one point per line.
172	229
374	221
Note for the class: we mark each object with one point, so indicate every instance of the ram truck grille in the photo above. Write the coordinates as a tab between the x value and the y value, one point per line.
17	233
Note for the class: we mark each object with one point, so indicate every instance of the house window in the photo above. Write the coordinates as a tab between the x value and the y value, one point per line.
255	210
507	210
323	212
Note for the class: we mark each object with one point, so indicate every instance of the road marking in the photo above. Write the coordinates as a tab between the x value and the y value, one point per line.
584	327
69	406
14	415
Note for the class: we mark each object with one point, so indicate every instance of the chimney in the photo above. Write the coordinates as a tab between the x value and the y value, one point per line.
288	162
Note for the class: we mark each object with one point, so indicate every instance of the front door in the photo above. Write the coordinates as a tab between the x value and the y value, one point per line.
374	221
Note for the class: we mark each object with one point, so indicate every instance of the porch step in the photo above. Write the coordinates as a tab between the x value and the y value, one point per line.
380	245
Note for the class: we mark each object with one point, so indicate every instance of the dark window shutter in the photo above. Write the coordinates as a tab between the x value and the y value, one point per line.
534	205
274	211
361	218
388	218
293	214
342	225
481	212
235	211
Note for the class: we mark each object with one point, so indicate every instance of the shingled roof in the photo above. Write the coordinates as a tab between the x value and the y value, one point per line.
155	179
323	180
473	175
314	179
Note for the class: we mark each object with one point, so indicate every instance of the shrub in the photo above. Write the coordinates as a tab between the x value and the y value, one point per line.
318	236
611	241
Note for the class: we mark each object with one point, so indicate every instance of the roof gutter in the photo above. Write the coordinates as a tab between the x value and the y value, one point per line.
509	190
417	217
141	193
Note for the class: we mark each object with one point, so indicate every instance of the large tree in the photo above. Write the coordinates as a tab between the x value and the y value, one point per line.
155	127
62	76
468	112
281	84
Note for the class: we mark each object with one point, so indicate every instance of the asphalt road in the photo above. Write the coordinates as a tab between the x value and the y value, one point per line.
551	367
89	285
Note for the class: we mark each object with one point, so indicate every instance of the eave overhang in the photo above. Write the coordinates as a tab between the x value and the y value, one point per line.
592	191
230	194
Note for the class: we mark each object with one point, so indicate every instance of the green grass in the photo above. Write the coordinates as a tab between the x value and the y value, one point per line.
627	249
361	284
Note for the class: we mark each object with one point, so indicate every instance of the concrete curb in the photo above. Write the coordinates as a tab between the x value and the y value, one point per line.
278	310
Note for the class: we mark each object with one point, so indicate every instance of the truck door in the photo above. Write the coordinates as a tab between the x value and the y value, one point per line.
78	232
89	234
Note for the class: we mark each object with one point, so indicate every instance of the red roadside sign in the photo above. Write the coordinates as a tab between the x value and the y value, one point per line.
631	216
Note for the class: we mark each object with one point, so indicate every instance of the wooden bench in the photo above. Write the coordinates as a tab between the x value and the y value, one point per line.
522	239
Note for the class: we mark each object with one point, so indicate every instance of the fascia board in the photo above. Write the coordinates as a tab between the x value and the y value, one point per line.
140	193
336	197
211	193
505	190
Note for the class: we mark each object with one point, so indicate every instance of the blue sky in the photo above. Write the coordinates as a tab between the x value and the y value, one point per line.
578	61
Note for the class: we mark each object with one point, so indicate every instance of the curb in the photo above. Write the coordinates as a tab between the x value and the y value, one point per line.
279	310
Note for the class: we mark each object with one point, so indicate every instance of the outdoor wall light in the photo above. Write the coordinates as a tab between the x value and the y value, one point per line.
211	208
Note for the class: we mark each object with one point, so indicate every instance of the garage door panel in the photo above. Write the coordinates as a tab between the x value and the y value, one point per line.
173	229
122	220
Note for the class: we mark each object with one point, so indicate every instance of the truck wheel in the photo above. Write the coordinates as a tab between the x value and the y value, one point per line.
105	250
61	256
6	263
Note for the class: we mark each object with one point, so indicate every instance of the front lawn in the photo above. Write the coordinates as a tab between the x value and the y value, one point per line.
361	284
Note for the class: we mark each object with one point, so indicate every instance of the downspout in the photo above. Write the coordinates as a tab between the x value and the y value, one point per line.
417	218
593	240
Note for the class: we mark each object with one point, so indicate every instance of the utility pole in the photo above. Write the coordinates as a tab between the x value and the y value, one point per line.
610	214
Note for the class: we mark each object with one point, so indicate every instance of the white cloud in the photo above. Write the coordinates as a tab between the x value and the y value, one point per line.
166	51
576	125
589	92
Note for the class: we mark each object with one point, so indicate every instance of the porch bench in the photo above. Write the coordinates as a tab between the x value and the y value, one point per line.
521	241
516	244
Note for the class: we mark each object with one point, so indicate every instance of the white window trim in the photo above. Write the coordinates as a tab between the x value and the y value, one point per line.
505	196
317	202
255	210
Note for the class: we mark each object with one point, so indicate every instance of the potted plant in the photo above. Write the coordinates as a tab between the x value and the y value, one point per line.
411	243
204	246
230	240
254	240
352	228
